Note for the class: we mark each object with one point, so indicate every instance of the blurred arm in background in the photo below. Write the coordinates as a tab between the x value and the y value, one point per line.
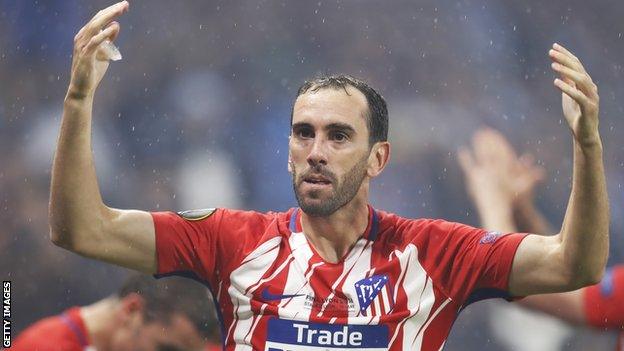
79	219
502	187
577	255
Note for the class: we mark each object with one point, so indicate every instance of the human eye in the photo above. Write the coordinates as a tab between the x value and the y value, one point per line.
304	133
339	136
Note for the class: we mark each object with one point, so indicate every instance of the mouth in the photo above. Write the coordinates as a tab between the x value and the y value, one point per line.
317	180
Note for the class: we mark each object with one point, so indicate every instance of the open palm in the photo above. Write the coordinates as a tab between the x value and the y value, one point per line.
579	95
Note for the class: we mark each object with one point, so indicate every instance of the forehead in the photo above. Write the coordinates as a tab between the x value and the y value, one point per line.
331	105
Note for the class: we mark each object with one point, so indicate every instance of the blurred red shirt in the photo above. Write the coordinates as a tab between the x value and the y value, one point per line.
604	303
64	332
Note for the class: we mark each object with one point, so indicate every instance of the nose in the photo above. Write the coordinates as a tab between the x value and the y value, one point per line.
317	154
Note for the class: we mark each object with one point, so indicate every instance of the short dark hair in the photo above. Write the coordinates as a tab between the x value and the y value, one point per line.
377	116
168	296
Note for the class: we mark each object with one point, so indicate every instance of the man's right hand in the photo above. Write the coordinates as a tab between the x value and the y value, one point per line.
89	64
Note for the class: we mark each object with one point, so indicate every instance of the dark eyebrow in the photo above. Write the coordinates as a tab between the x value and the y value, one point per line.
300	125
342	127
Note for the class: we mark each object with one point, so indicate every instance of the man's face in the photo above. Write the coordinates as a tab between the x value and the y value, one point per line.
329	149
177	335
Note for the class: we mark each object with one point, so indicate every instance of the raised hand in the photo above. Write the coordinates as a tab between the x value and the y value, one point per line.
495	175
579	95
89	62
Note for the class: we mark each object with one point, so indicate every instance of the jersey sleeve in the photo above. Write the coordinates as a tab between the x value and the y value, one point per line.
200	243
604	302
186	245
468	263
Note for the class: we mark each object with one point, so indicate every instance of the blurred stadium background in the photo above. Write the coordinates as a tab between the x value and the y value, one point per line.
197	115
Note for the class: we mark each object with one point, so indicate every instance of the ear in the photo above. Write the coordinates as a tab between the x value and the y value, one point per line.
378	158
291	167
131	309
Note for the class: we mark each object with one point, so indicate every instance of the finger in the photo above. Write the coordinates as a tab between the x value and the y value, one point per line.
480	148
105	16
571	91
527	159
465	159
566	60
116	33
499	145
581	81
95	42
538	174
569	75
562	49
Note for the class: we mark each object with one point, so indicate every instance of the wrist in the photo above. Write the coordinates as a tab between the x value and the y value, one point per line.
78	92
588	141
73	95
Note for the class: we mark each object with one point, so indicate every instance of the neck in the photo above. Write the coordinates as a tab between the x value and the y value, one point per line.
334	235
100	322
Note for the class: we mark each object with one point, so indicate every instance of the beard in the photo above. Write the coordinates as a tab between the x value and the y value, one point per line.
343	191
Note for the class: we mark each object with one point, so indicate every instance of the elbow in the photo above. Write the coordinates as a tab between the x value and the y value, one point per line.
60	237
594	277
585	277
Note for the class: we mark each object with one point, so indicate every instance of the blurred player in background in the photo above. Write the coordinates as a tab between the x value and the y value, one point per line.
173	314
498	181
334	273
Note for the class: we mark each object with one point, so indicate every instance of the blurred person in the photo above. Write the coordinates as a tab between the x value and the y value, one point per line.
145	315
335	272
498	181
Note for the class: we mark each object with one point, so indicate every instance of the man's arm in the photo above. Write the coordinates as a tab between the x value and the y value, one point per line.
79	220
499	183
567	305
575	257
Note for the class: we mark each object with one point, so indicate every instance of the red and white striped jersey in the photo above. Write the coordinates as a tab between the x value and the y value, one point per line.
400	287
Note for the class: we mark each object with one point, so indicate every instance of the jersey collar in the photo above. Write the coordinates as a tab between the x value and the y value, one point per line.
370	233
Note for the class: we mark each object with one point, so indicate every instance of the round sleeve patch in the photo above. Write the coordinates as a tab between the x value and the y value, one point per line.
197	215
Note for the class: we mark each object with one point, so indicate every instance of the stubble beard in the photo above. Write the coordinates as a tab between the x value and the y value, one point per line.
343	191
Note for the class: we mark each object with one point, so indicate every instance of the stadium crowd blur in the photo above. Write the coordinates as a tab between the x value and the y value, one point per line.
197	114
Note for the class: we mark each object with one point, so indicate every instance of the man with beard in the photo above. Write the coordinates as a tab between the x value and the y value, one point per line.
334	273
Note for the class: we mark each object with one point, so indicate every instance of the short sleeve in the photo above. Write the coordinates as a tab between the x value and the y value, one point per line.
468	263
604	302
186	244
205	243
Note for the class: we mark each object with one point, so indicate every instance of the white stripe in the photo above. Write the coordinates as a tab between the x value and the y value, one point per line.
420	298
296	282
241	279
418	288
360	253
257	319
218	297
421	333
384	299
377	306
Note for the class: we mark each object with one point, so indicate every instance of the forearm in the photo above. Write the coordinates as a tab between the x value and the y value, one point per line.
567	306
76	207
585	230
